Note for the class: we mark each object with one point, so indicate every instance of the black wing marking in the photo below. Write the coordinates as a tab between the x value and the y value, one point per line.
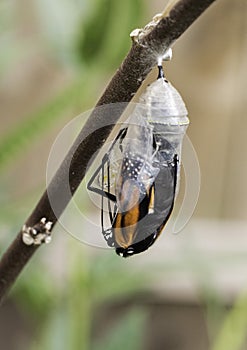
106	161
106	194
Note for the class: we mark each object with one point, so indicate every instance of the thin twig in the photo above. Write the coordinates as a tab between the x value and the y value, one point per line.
138	63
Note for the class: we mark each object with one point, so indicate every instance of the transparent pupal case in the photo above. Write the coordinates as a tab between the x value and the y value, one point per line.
166	112
168	115
137	171
154	135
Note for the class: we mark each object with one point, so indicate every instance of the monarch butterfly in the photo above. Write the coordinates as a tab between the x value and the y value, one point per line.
139	175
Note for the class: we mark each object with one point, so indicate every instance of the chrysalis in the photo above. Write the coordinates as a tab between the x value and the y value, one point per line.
139	175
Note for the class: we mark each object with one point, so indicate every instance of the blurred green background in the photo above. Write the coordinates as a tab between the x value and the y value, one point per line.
189	290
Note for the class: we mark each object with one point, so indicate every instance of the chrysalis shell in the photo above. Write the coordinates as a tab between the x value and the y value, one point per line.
146	177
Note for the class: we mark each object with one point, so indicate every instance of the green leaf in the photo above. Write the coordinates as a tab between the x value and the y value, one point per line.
125	16
234	329
92	32
22	135
35	293
54	333
105	37
127	334
110	275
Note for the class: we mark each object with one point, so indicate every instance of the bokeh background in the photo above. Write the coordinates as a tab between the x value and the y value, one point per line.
189	290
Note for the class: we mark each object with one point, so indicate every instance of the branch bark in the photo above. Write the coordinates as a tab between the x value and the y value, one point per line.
138	63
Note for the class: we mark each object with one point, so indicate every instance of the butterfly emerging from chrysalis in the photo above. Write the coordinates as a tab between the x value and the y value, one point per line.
138	177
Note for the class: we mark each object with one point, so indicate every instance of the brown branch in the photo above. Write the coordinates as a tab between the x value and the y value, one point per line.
124	84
